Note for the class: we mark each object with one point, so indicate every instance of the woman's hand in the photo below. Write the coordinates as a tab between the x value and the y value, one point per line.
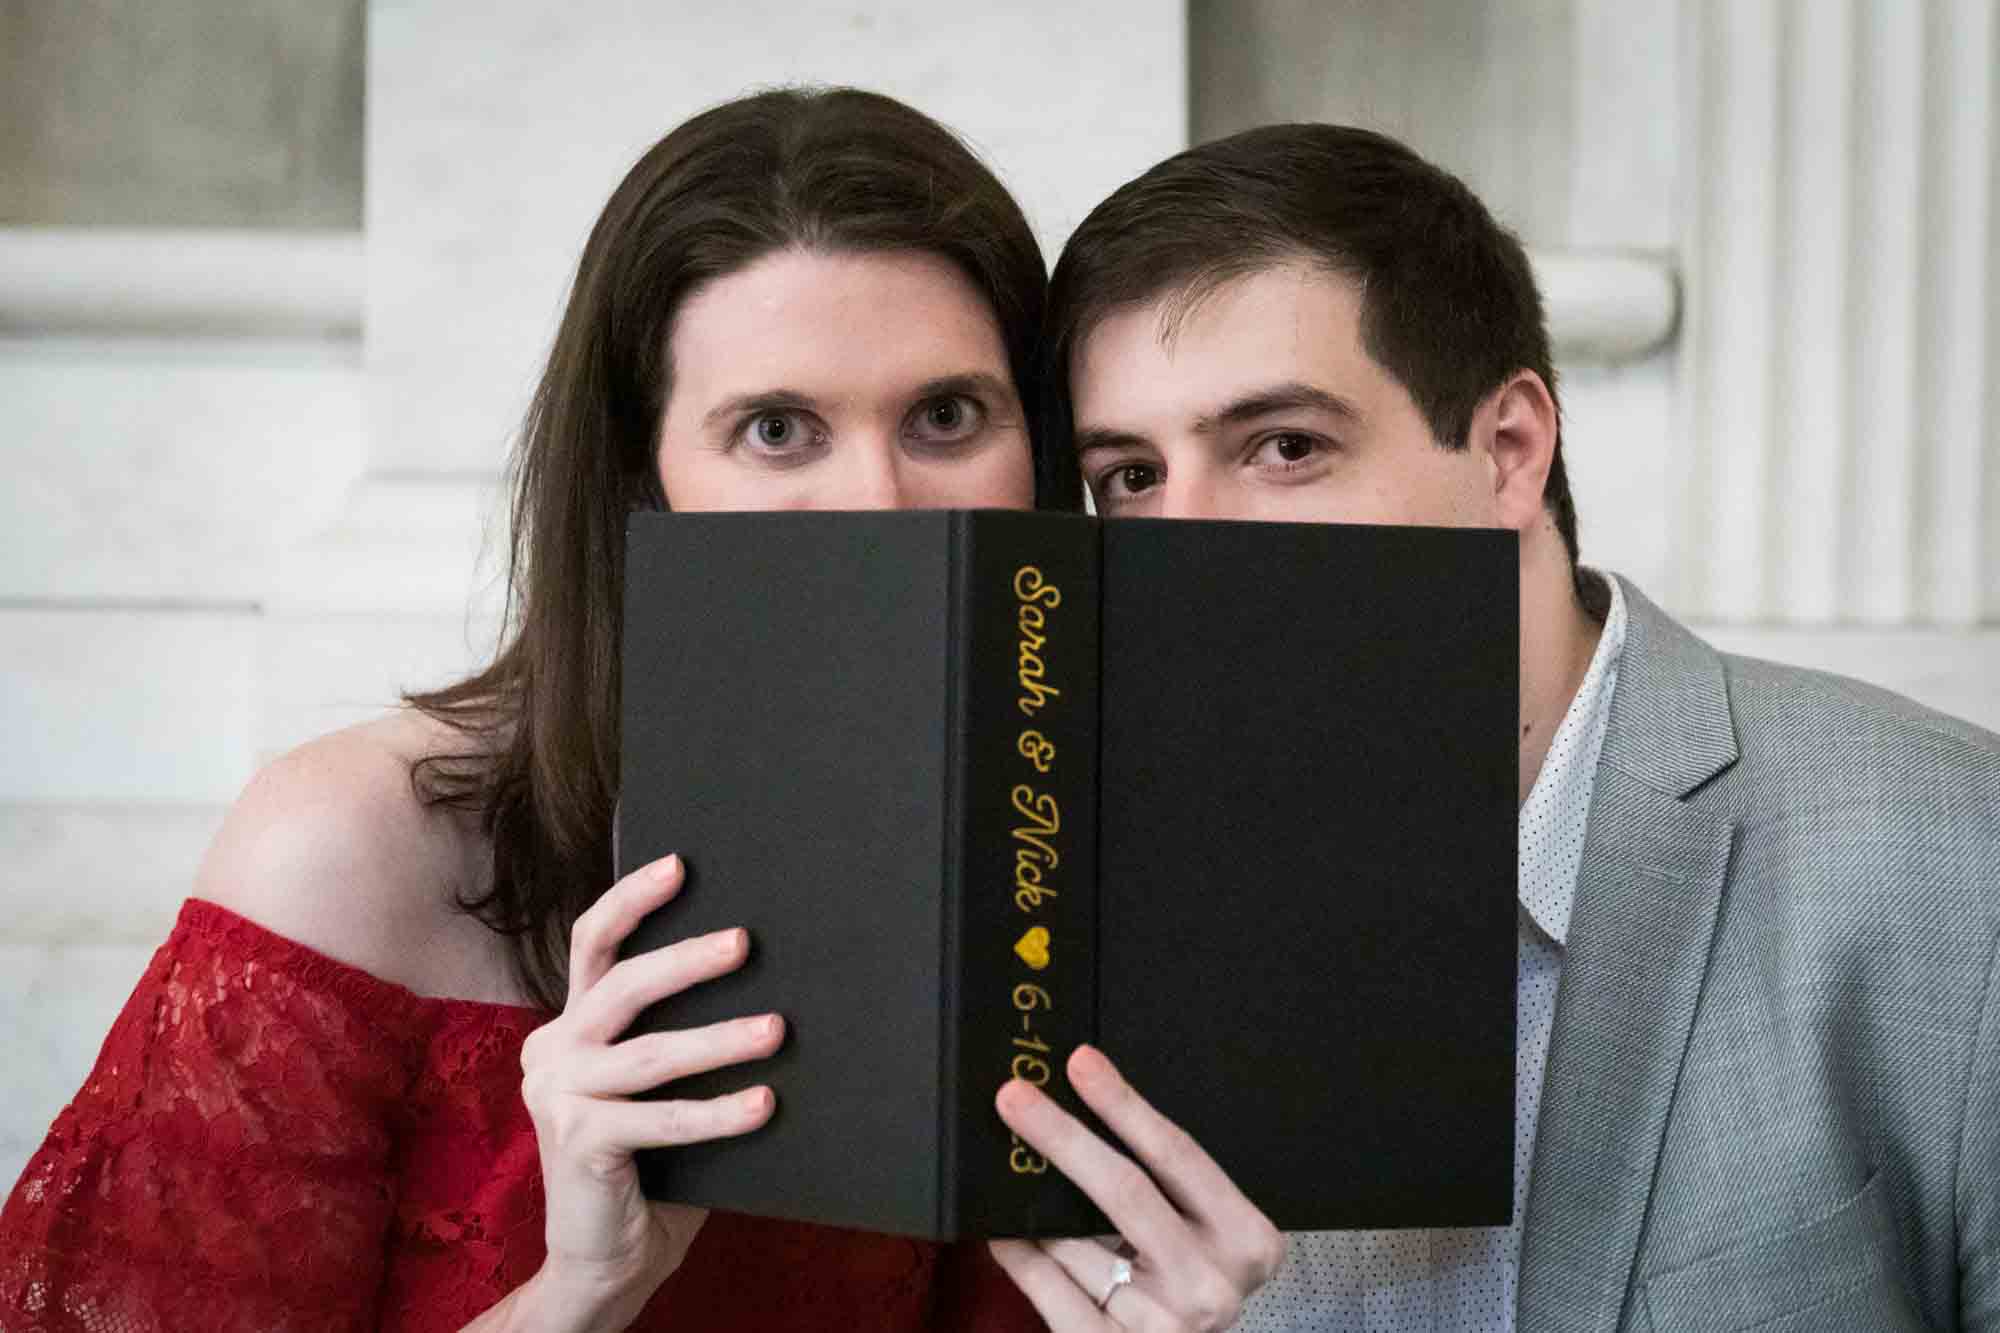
609	1248
1201	1247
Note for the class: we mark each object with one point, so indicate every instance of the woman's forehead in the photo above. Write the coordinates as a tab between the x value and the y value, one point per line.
855	318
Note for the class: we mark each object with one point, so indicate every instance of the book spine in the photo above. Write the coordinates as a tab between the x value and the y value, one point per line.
1020	879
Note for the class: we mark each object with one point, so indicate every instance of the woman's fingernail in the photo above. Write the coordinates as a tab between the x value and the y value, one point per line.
667	867
1089	1062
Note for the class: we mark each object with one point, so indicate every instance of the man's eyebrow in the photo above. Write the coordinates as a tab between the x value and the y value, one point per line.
1102	438
1290	396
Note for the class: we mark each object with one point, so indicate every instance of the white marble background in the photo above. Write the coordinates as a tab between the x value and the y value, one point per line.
240	513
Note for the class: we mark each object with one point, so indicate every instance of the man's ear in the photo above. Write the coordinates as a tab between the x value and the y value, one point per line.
1516	428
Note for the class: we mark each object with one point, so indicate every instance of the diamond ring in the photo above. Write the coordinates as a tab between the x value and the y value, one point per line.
1121	1276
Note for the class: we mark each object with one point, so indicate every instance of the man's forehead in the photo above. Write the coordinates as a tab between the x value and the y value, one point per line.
1284	321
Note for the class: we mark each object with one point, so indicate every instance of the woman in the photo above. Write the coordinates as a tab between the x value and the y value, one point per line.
339	1099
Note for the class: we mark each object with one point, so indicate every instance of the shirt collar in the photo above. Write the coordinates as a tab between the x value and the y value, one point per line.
1553	820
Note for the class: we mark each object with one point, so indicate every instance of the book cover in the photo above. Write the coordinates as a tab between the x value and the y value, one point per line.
1234	801
1306	884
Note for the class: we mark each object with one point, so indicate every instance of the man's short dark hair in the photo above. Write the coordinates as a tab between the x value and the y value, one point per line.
1449	303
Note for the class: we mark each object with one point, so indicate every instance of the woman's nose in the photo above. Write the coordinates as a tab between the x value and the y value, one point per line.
869	477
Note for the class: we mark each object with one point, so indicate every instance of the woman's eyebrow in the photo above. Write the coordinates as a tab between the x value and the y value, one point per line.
972	383
763	400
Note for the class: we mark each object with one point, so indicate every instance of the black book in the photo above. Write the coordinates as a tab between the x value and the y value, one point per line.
1233	801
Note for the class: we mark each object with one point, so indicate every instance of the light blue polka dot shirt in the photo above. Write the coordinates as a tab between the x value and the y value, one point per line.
1464	1280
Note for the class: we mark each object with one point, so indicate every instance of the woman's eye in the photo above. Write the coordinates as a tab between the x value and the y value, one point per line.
946	420
777	432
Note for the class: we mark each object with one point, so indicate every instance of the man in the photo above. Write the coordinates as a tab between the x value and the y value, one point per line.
1766	1091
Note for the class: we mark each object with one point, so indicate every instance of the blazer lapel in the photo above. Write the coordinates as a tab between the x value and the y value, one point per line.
1647	896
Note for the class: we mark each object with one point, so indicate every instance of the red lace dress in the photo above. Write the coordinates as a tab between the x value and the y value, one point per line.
275	1140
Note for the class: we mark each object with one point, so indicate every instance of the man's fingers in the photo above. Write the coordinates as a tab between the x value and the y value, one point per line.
594	940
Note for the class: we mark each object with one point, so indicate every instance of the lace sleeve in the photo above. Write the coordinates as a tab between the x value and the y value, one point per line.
226	1166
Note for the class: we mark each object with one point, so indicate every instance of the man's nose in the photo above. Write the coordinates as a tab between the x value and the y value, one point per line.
1192	496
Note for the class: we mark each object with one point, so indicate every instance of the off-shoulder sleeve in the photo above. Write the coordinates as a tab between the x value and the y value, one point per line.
226	1166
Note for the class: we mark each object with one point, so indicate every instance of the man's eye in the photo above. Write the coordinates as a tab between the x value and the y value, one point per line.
945	420
1127	479
1287	447
1139	476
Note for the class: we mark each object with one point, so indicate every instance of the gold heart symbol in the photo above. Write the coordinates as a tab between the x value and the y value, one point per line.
1034	947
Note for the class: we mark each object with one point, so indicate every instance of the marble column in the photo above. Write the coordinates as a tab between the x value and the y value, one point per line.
1840	270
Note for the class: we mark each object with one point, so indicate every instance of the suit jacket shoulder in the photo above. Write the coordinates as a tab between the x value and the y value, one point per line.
1859	801
1775	1025
1785	712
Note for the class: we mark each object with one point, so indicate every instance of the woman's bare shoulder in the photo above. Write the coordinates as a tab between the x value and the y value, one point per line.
330	845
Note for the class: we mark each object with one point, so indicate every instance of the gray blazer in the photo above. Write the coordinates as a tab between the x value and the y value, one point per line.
1773	1090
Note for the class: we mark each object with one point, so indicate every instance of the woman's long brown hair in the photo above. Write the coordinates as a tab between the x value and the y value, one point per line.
834	170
